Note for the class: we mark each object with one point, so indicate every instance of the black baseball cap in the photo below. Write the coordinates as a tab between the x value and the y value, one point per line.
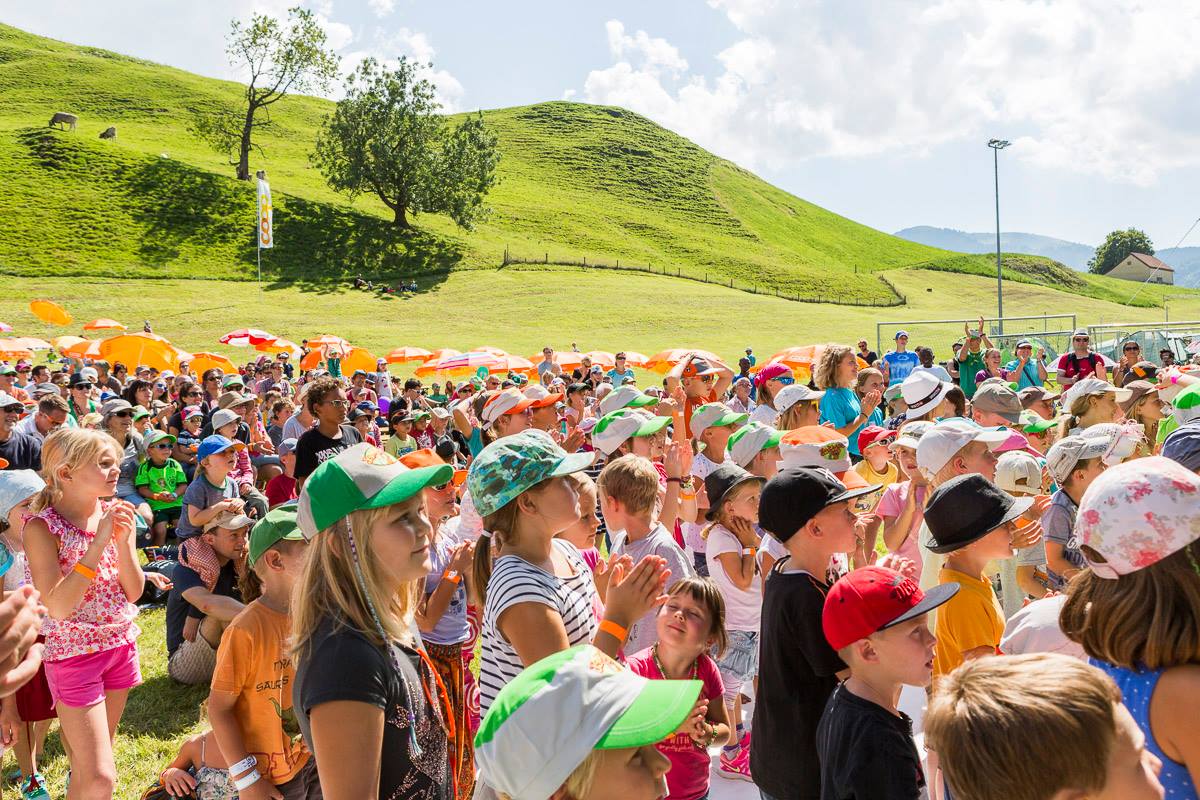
720	482
966	508
796	495
79	379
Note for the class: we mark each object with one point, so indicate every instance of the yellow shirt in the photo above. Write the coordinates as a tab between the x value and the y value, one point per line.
972	618
867	502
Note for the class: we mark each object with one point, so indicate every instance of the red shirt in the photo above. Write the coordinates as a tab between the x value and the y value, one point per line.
688	777
280	489
1071	368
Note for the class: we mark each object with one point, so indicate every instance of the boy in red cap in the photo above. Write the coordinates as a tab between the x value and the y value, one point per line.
877	621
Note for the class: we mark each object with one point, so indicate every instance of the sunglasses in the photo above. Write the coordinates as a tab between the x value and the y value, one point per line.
83	387
338	402
1132	349
1082	339
162	446
786	380
123	414
16	408
194	394
706	378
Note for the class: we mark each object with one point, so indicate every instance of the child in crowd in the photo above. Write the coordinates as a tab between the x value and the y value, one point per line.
421	430
972	521
1023	575
877	620
538	596
198	770
225	423
24	716
583	533
576	724
187	441
1136	611
1042	727
364	422
281	412
213	491
399	442
83	560
732	555
902	505
629	501
876	468
441	613
367	698
811	513
161	480
711	424
250	705
688	627
1074	462
282	488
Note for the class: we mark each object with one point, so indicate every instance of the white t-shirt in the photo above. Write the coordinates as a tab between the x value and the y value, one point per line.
658	542
743	607
470	524
937	370
765	414
702	465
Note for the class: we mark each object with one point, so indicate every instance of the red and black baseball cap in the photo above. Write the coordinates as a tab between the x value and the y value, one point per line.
870	599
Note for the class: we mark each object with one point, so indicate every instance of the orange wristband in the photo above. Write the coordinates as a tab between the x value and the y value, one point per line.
85	571
614	630
452	576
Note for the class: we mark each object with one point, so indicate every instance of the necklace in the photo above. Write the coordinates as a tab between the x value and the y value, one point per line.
662	671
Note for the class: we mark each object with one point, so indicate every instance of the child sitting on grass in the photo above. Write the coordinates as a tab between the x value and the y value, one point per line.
212	492
690	625
198	770
161	480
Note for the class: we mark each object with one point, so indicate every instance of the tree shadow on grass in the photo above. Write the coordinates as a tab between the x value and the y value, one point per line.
162	708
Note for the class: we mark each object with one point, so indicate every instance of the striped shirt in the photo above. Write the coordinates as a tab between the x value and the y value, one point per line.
514	580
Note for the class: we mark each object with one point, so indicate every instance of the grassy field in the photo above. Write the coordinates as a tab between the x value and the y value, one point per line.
522	310
576	181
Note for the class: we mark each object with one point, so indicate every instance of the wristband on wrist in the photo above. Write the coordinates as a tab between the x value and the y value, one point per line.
614	630
249	762
84	570
687	495
749	551
674	480
452	575
246	781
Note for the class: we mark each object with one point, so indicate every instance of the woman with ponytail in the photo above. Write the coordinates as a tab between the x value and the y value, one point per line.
367	697
1091	401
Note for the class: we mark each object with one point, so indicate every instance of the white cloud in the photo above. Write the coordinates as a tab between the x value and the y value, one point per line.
381	8
1099	86
387	47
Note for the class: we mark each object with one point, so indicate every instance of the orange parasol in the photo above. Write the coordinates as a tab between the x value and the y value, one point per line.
84	348
143	348
10	354
442	352
512	364
327	340
202	362
62	342
496	351
48	311
400	355
460	364
566	361
279	346
602	357
636	359
104	324
352	358
30	343
663	360
803	357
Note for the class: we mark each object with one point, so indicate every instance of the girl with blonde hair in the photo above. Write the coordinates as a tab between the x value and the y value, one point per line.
837	373
83	560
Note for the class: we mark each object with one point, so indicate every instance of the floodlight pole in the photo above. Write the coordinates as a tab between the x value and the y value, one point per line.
997	145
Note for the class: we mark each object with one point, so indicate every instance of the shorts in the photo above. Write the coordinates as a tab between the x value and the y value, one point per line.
193	662
167	515
83	681
740	662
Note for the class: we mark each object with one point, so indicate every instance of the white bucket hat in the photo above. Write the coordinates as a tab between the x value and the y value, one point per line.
922	392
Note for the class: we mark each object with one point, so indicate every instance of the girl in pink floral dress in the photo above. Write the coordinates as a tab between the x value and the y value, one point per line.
82	557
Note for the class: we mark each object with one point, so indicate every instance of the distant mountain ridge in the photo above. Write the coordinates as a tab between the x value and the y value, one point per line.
1185	260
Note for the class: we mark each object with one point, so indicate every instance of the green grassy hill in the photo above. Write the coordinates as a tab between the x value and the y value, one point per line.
576	181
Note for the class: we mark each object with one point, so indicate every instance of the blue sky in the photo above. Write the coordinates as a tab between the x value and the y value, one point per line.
877	109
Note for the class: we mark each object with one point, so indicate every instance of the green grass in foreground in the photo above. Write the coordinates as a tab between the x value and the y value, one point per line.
521	311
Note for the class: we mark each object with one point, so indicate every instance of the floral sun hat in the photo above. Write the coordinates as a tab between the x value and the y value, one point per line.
1136	514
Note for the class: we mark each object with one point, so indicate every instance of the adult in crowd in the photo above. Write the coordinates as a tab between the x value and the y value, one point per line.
1025	370
8	383
621	373
205	597
770	381
17	450
1145	407
1081	362
740	400
837	375
899	361
1131	356
866	353
1166	357
302	418
925	356
326	400
1091	401
991	368
79	396
118	423
547	363
50	413
970	357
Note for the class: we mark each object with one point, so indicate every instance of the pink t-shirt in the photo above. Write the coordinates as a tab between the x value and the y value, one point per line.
688	777
891	505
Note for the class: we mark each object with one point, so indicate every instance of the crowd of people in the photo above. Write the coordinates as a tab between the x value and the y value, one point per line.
573	586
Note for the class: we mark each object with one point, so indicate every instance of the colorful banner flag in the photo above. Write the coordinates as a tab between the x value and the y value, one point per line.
266	233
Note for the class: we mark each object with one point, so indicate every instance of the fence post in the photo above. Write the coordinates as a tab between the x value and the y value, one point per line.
585	261
618	263
547	258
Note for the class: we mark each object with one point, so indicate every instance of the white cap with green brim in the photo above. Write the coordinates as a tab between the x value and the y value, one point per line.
750	440
359	478
545	722
626	397
714	415
623	424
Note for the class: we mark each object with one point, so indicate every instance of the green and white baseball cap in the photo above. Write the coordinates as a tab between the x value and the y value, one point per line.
546	721
626	397
747	442
714	415
623	424
359	478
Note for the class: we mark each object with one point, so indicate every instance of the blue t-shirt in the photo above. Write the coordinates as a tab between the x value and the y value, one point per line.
1027	377
841	406
619	378
900	365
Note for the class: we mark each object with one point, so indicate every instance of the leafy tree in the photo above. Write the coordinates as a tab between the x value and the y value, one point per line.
1117	247
387	138
279	60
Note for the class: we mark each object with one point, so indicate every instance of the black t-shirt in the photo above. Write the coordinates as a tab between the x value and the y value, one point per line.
797	671
21	451
867	752
341	664
314	448
871	357
178	610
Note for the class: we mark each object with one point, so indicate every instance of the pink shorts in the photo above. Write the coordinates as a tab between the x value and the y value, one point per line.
81	681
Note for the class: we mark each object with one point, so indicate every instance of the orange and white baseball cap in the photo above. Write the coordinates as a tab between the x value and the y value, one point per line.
508	401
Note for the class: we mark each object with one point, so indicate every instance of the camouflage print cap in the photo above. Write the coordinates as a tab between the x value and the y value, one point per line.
512	464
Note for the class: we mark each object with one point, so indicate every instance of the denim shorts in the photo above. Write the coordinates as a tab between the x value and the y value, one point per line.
740	662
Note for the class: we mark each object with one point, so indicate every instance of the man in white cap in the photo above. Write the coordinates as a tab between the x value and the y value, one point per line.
1081	362
1028	370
